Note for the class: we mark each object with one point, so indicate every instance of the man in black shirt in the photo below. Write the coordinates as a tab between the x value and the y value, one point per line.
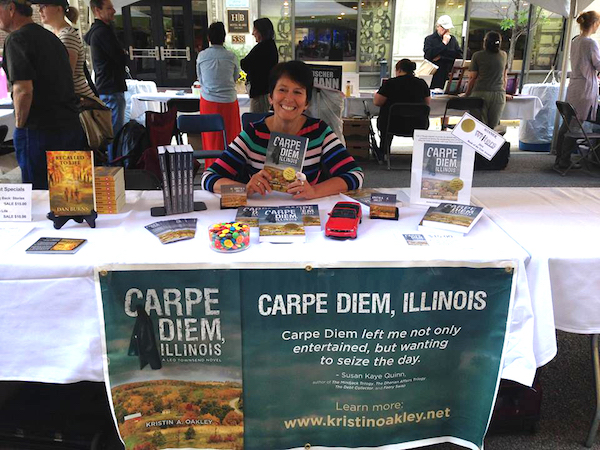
441	48
109	60
41	81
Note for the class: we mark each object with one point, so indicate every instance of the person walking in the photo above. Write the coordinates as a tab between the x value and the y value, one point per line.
55	14
441	48
218	72
40	78
258	63
582	92
487	79
109	61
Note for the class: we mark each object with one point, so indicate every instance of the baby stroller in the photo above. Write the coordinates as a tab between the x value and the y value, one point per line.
373	145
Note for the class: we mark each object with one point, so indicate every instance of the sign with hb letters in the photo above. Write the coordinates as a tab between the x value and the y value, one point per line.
237	20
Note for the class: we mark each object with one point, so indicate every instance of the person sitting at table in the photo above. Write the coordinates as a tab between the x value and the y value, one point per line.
290	87
403	88
487	79
218	71
582	92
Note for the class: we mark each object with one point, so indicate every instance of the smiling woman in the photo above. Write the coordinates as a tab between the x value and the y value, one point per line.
328	167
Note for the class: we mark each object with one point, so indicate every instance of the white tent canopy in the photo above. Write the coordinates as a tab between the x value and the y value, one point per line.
561	7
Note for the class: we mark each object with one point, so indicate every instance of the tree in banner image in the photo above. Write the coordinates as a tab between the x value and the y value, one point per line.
145	446
190	434
158	439
233	418
514	15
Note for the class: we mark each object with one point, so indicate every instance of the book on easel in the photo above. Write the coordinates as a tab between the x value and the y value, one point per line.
71	182
176	166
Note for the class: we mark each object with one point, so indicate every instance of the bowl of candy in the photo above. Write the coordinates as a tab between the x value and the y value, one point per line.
229	237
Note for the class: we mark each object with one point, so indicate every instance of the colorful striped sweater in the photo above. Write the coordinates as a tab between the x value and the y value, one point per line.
245	156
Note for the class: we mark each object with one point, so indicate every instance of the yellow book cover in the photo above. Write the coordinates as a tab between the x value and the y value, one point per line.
71	182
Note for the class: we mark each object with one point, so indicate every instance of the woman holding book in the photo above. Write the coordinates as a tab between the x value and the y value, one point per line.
328	167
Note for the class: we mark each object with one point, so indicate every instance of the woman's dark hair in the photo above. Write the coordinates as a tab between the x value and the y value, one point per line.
296	71
265	27
407	66
588	19
72	14
216	33
492	41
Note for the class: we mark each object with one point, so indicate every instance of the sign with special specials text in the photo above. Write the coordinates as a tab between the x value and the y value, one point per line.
378	355
15	202
237	21
478	135
442	169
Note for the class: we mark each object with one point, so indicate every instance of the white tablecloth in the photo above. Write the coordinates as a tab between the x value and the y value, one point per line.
520	107
136	87
49	325
559	228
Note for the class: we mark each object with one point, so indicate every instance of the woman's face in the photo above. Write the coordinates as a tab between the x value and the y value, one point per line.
288	99
49	12
256	35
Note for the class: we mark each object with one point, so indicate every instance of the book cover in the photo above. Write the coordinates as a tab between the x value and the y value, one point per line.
362	195
71	182
310	216
452	217
166	185
284	157
442	169
172	177
233	196
51	245
281	224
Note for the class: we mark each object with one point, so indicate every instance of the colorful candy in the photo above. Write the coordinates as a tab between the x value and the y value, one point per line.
229	237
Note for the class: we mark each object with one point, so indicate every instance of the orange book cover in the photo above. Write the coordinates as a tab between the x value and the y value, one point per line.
71	182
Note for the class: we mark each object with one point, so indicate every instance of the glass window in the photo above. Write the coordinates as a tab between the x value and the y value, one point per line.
546	39
144	66
456	10
280	14
326	30
200	17
375	34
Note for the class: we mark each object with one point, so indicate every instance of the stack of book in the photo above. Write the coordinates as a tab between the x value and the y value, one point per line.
177	168
451	217
110	189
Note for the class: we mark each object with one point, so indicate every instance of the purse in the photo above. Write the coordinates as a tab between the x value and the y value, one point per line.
96	120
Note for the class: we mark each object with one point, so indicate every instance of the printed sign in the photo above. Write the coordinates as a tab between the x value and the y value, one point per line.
327	76
15	202
377	355
235	4
237	21
482	138
238	39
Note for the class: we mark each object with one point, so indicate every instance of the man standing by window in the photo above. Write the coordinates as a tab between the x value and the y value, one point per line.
441	48
37	67
109	61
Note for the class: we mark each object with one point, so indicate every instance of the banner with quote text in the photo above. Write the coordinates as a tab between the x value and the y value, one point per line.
336	357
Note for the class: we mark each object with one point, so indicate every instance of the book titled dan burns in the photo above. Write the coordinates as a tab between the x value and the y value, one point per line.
71	182
284	158
452	217
281	224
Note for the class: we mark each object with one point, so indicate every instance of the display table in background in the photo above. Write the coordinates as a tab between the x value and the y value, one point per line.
7	117
49	325
136	87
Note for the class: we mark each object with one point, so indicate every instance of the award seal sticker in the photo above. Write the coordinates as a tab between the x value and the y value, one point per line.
456	184
289	174
467	125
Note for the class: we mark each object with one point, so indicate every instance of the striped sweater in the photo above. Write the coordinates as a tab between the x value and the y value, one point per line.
245	156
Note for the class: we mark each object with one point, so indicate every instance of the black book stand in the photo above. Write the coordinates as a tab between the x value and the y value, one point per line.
59	221
160	211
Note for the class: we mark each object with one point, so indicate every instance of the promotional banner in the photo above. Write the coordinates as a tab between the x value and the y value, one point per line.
344	357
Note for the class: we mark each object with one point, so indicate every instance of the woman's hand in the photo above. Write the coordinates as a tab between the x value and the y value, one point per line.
509	97
301	190
259	183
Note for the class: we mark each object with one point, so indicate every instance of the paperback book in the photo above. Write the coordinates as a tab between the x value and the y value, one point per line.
362	195
310	215
233	196
110	189
248	215
56	246
442	169
281	224
71	182
177	171
284	158
451	217
174	230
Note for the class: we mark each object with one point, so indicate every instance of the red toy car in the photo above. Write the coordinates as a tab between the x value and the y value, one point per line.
343	221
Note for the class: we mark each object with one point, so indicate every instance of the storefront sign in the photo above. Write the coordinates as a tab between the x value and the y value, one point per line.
238	39
369	355
327	76
237	20
15	202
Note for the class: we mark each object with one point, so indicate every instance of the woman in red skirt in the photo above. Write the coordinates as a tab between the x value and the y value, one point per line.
218	71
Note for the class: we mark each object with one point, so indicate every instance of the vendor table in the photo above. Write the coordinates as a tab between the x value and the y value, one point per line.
520	107
49	326
7	117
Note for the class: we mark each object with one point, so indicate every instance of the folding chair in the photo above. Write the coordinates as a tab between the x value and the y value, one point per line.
400	115
184	105
203	123
248	118
473	105
588	151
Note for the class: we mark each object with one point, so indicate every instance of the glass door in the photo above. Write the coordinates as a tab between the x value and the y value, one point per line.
160	41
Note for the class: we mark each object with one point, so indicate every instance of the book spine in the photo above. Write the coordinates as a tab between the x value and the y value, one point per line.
173	179
164	170
182	179
179	175
190	172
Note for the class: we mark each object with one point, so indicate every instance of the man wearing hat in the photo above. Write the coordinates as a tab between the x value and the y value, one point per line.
109	61
41	82
441	48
